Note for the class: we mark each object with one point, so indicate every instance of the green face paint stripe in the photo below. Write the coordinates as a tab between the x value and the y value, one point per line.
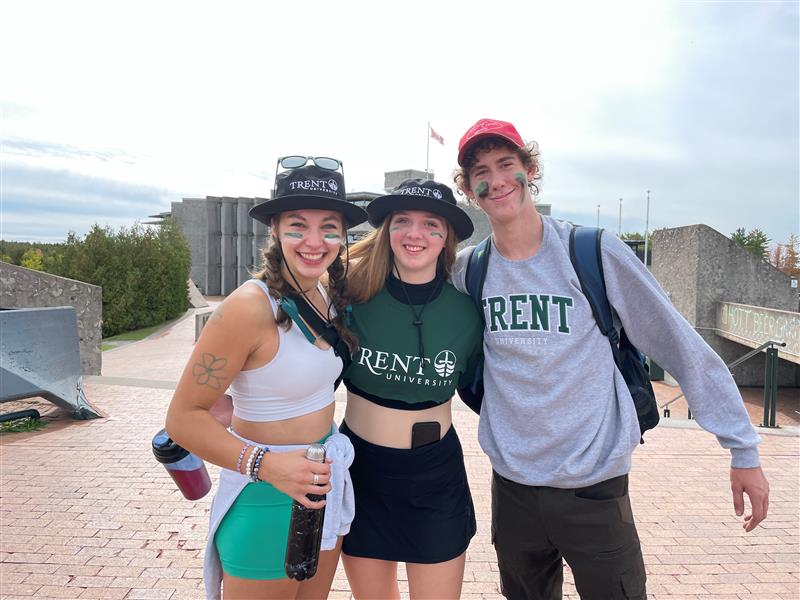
395	228
482	189
436	234
332	236
293	235
521	179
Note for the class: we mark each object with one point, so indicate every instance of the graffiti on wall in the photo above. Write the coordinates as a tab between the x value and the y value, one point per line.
754	325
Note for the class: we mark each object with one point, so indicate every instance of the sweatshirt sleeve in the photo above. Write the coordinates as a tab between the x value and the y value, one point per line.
458	273
656	328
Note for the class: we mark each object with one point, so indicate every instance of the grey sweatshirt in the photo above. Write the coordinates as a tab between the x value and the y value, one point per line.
556	410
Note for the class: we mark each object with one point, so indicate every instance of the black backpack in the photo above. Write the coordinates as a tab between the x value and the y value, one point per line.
584	252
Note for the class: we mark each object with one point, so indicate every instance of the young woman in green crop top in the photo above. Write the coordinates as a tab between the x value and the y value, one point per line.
419	340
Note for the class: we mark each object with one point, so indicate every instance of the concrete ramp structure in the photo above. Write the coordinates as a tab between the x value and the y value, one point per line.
39	356
734	299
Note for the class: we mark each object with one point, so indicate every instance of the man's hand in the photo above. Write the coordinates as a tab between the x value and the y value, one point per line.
753	483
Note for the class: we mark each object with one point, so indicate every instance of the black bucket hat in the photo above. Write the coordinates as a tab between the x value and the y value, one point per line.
309	187
422	194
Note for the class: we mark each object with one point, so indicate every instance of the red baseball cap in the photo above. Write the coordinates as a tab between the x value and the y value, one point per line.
488	128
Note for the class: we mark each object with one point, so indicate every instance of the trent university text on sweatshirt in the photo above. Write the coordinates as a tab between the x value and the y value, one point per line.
556	410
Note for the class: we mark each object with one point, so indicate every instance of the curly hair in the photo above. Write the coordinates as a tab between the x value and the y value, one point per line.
529	156
272	274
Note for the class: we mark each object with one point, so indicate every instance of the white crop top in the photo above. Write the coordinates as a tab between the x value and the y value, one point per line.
298	380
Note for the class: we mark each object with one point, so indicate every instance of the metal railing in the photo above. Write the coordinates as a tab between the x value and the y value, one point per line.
770	382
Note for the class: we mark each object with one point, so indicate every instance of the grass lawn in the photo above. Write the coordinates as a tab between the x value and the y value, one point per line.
135	335
21	425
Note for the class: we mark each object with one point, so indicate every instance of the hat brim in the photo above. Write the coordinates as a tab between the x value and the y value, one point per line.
353	214
382	206
483	136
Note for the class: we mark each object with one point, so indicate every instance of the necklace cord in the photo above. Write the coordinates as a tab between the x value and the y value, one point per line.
417	322
326	319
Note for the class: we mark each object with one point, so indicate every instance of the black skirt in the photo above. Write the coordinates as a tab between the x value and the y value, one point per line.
411	505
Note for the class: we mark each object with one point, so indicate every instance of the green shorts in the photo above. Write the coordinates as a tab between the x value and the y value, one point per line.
251	539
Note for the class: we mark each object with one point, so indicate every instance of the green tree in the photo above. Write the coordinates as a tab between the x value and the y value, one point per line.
143	272
740	237
755	240
12	252
53	262
632	235
758	243
33	259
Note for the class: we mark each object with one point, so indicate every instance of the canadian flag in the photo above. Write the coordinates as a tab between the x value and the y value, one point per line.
436	136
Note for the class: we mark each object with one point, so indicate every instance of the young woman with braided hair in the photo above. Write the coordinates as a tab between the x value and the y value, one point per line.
280	374
280	288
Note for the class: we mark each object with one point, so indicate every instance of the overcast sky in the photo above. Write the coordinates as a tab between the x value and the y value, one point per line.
112	110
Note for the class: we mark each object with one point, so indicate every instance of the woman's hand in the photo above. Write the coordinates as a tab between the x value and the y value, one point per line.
296	476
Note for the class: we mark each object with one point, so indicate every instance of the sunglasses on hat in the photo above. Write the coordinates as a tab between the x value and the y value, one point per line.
323	162
295	161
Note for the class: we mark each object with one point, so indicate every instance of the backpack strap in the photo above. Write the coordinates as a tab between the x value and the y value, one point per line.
476	271
584	252
474	278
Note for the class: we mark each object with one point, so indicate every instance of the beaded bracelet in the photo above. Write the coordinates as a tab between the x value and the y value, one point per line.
250	459
257	465
256	456
245	448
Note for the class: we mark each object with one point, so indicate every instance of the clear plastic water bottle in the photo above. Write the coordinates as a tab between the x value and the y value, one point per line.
187	471
305	530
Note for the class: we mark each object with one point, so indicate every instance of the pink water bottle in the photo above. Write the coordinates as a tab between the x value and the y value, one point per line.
188	471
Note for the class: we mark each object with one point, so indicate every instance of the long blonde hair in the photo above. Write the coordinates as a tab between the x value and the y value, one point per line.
372	259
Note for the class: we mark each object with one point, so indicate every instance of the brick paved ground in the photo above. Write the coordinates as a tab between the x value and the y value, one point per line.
87	513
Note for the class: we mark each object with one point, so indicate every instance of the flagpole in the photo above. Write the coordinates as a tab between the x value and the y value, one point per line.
428	148
646	228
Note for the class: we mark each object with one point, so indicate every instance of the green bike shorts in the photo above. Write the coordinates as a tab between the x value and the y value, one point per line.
251	539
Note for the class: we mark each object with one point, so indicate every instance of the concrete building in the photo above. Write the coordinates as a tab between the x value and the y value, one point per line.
699	268
225	242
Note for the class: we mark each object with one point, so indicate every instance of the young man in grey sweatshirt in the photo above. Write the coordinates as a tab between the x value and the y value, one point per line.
560	485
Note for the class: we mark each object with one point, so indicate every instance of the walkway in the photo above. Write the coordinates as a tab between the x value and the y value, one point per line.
86	512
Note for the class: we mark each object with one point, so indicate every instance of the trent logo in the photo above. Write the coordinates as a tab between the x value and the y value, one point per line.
409	369
444	363
315	185
532	312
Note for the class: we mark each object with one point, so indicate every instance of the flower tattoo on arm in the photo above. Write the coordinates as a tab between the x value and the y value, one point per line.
208	372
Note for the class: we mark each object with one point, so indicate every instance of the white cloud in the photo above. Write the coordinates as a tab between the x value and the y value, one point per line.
196	99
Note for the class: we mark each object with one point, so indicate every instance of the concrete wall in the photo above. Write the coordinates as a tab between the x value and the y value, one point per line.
391	179
24	288
192	218
224	241
698	266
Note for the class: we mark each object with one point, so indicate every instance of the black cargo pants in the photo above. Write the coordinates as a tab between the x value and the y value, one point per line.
591	528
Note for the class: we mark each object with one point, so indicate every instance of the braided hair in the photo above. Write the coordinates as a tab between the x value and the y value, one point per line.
337	290
271	273
278	287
